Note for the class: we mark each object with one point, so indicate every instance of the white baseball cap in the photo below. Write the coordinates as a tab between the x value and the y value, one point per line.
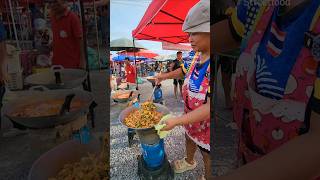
198	18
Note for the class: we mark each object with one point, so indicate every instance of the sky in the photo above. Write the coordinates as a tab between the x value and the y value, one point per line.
125	16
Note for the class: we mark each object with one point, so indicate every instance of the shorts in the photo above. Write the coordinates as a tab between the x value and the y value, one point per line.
228	65
176	81
203	149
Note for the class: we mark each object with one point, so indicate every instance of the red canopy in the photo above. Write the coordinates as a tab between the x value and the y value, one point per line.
24	2
142	52
163	21
180	47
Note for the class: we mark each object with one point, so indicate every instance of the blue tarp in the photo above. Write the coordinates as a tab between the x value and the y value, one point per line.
131	58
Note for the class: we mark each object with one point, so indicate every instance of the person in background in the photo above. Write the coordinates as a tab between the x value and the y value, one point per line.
25	24
227	64
228	67
130	71
35	13
176	65
68	48
196	91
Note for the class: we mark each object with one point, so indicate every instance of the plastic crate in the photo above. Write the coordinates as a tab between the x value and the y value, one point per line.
15	81
39	70
14	63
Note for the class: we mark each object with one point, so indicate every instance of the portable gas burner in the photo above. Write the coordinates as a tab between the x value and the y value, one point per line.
153	162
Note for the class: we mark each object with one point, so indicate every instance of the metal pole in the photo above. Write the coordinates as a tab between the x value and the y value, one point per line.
14	25
97	32
84	35
135	63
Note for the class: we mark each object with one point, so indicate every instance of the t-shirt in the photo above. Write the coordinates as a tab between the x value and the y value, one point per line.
130	74
67	33
177	64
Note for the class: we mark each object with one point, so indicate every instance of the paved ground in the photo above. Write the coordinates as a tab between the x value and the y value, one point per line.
224	151
123	159
17	154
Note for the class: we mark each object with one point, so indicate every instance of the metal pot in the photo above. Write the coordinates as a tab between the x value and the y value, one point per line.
33	96
58	78
50	163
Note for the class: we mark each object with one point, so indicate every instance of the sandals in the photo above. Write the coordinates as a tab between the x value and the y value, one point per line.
180	166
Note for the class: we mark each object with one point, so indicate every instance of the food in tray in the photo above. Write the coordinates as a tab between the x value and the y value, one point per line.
93	167
145	117
151	78
122	95
123	86
45	108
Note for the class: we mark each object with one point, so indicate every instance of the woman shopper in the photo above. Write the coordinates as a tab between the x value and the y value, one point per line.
277	88
196	90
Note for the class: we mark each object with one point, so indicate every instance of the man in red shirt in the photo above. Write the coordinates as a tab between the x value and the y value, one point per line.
68	49
130	72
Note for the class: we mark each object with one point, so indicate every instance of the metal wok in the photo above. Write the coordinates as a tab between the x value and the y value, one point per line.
160	108
58	78
33	96
50	163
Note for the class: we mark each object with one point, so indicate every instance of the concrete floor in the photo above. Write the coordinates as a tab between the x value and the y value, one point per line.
17	154
225	138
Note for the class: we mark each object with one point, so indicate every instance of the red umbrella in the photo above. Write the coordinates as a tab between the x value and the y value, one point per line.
163	21
142	52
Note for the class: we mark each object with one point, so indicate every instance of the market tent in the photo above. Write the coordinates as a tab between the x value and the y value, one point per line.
179	47
124	44
166	57
163	21
131	58
142	52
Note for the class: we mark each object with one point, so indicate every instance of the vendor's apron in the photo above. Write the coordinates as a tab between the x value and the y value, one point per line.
264	123
199	132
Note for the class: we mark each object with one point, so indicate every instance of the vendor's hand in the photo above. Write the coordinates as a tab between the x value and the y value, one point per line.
159	77
170	124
